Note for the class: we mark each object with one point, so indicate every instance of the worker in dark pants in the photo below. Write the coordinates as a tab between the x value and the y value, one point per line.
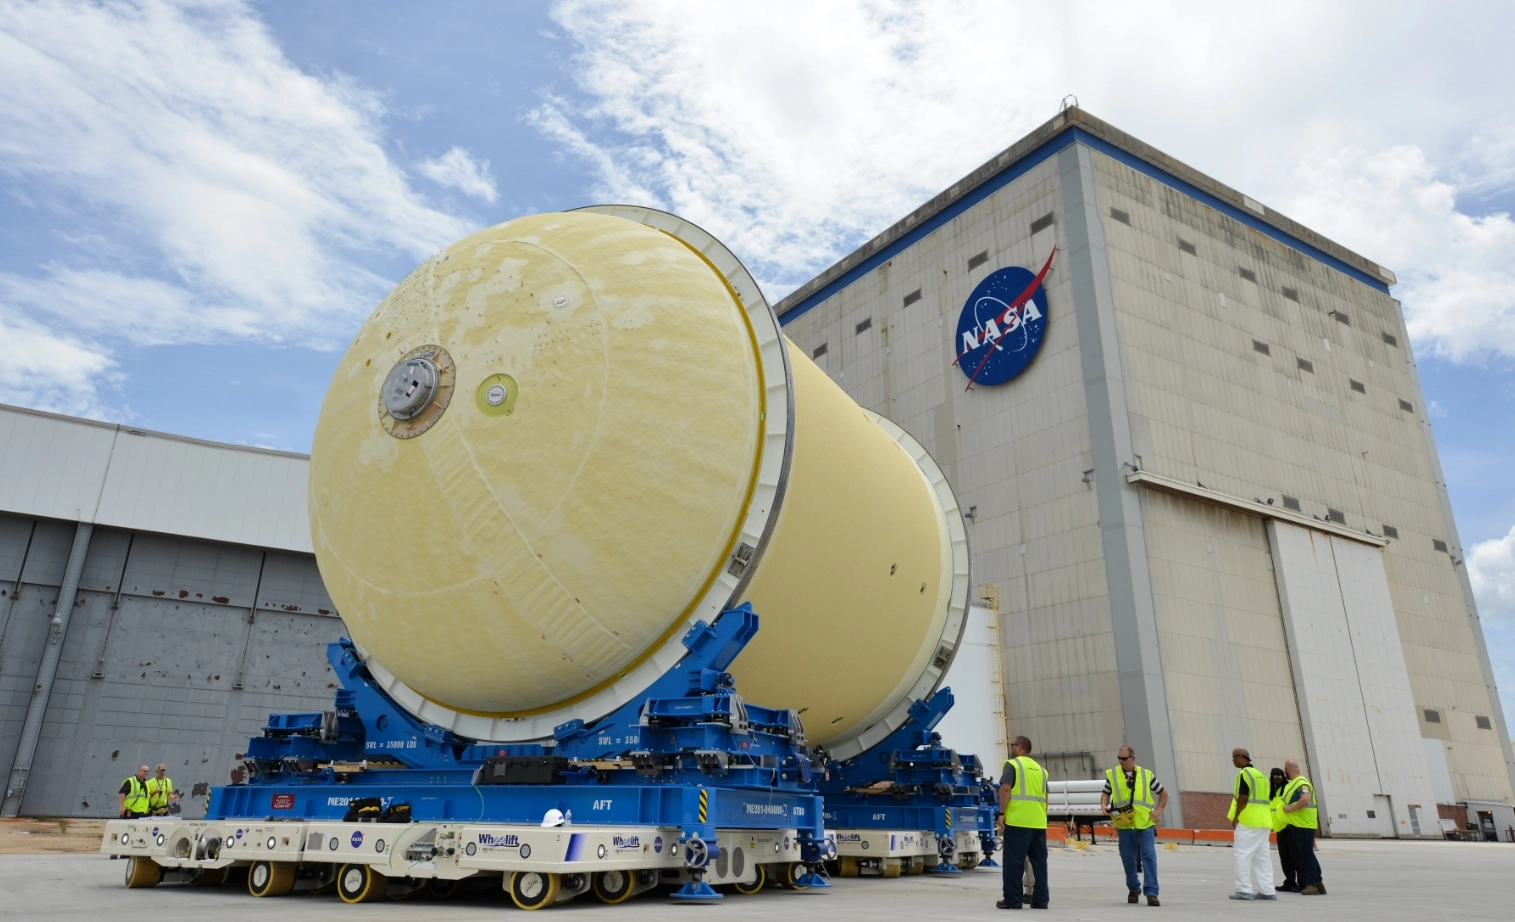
1299	813
1023	805
133	796
1277	781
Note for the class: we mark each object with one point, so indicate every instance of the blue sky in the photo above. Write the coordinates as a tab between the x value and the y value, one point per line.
200	202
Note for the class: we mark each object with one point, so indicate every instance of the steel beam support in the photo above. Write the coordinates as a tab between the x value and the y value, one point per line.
31	731
1133	614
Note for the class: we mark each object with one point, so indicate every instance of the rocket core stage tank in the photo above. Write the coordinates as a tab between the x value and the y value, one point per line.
563	440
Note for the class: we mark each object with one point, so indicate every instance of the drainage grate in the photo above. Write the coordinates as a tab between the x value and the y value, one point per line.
912	297
1120	216
978	260
1260	346
1305	365
1042	223
1247	274
867	324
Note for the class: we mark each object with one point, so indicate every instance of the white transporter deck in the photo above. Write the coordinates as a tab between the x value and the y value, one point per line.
538	865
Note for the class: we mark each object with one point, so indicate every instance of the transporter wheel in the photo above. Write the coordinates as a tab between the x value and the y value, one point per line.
214	877
848	867
443	889
789	875
613	886
357	883
968	862
142	872
534	889
893	867
757	882
270	878
917	865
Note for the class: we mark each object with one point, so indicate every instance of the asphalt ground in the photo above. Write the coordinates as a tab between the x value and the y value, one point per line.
1383	881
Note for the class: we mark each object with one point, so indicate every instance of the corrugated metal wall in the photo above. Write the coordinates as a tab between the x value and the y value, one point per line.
177	651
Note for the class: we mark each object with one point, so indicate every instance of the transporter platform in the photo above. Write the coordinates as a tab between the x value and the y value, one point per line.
689	786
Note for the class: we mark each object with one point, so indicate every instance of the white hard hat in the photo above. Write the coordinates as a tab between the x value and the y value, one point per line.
552	818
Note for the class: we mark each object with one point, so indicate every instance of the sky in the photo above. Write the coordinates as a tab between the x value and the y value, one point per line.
200	202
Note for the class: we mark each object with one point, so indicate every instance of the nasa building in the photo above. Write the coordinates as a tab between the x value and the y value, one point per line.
1201	484
1203	502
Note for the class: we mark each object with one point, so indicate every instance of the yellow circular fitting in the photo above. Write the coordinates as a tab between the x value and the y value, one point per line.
496	395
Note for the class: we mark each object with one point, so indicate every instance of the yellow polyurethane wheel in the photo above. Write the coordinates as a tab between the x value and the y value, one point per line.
359	883
270	878
534	889
142	872
757	882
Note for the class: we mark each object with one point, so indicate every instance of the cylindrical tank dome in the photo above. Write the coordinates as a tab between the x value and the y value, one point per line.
563	440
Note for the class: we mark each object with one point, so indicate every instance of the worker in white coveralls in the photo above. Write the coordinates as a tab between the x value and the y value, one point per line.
1251	825
1134	800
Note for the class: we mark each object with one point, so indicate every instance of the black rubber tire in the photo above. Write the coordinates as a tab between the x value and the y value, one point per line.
357	883
533	889
443	889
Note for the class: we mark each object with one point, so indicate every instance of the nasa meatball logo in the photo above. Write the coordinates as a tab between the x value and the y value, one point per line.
1002	324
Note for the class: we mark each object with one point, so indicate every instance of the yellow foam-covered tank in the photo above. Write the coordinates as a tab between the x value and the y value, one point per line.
563	440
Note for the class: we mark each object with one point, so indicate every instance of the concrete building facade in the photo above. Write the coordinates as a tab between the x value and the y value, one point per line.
158	600
1210	508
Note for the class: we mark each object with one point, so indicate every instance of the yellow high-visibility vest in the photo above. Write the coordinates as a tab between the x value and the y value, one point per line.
1305	817
158	793
1256	812
136	798
1027	808
1131	806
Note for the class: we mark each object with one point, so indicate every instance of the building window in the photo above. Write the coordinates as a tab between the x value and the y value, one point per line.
1406	405
867	324
1432	717
1439	545
1291	503
1484	723
1247	274
1341	318
1042	223
1389	531
818	351
1120	216
1260	346
1291	294
978	260
1357	386
1335	515
912	297
1305	365
1187	247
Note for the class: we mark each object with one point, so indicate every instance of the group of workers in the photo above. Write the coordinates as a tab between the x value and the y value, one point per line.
1134	800
141	795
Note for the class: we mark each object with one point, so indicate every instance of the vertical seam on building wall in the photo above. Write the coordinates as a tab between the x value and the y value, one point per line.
1496	708
1133	618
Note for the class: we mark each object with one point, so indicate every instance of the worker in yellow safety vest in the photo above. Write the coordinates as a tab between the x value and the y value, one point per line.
1251	825
160	793
133	795
1023	808
1300	813
1276	782
1135	800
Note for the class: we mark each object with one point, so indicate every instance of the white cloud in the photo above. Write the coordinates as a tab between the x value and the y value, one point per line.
457	169
249	194
1491	567
52	371
1456	271
794	131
